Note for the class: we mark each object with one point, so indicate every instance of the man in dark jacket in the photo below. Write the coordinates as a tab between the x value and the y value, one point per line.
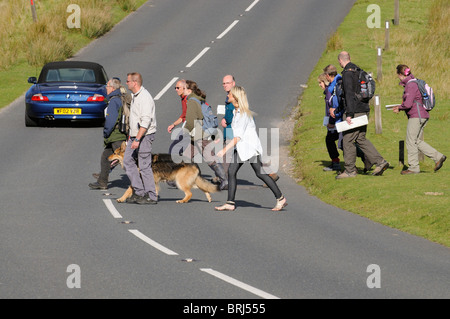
113	138
355	108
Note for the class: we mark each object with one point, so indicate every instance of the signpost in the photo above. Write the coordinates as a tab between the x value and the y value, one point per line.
33	10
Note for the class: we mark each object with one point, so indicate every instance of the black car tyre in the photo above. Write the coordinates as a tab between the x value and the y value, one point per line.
29	121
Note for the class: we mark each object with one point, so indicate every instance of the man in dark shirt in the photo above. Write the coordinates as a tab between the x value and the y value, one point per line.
355	108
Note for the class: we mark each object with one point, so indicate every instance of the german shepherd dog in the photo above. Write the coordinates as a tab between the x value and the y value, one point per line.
185	175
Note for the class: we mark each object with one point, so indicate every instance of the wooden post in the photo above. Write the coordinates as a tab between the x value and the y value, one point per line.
386	37
379	70
377	107
397	12
401	153
33	10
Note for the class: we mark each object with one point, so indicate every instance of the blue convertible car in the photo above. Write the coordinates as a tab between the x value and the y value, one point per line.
67	90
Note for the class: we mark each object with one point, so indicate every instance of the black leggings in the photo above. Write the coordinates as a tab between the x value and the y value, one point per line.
257	168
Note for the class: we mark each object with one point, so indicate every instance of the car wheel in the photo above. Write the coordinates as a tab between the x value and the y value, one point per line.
29	121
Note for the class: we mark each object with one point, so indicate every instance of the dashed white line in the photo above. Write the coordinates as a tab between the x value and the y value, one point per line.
239	284
164	90
197	57
151	242
252	5
111	208
160	247
227	29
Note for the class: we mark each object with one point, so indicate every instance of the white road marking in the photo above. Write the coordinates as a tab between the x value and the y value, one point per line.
227	29
160	247
197	57
252	5
164	90
151	242
239	284
111	208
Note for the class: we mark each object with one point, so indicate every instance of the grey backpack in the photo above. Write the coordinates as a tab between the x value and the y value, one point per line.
427	93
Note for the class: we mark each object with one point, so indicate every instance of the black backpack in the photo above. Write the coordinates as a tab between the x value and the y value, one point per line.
366	89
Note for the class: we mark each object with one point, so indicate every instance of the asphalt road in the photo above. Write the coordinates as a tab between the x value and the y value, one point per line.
59	239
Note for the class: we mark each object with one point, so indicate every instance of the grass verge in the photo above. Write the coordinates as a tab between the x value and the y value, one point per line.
26	45
418	204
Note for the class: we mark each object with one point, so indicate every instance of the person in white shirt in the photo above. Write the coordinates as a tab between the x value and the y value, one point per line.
142	135
246	147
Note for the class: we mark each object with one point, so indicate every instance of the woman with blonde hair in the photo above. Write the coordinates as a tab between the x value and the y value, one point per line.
246	147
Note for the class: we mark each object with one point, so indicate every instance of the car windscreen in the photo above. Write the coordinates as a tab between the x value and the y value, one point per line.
70	75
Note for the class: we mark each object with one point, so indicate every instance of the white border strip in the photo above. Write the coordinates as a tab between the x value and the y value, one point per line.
164	90
197	57
111	208
151	242
252	5
239	284
227	29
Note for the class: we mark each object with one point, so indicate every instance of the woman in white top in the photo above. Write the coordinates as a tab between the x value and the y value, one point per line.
246	146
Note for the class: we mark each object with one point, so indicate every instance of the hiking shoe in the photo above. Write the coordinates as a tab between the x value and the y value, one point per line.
335	166
379	170
407	172
143	200
132	199
439	163
97	185
346	175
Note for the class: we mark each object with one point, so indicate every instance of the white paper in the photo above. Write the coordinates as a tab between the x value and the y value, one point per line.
391	106
220	109
326	119
356	122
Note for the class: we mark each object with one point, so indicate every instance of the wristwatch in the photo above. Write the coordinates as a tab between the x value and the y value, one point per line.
137	140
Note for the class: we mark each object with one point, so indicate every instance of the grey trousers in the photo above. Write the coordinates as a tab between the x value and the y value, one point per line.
358	135
140	173
414	145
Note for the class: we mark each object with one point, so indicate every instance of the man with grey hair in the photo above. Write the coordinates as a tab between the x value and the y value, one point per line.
112	137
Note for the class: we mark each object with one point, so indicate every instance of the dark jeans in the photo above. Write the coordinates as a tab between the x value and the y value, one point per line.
330	141
255	162
105	164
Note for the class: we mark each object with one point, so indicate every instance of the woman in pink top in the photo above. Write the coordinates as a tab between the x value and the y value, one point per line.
418	117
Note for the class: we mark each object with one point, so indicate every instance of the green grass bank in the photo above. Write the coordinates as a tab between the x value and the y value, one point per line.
418	204
27	45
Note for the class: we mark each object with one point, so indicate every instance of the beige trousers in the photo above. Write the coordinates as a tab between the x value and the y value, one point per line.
414	144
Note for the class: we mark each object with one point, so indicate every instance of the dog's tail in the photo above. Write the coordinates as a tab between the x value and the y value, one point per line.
206	186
